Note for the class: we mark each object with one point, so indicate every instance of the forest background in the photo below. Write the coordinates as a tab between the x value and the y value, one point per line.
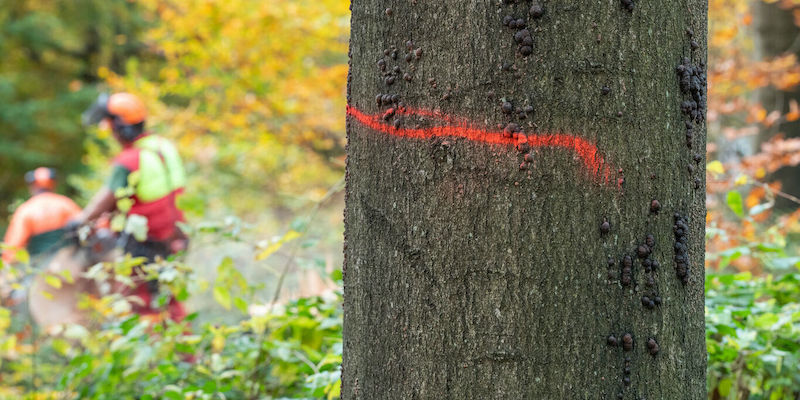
253	94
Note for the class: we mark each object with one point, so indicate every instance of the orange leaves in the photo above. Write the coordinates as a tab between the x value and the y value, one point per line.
755	197
791	222
775	154
783	72
794	111
731	82
736	75
756	113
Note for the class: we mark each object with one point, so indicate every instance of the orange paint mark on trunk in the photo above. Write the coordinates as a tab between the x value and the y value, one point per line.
590	157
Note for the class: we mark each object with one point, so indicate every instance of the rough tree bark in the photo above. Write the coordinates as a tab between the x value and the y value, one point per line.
476	264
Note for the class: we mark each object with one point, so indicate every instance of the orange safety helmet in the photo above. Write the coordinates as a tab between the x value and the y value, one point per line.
42	178
127	108
126	111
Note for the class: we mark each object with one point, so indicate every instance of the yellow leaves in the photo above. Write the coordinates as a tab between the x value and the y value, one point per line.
217	343
5	319
22	256
239	120
66	275
725	16
723	36
715	167
171	75
192	340
103	72
277	244
10	348
53	281
219	334
250	87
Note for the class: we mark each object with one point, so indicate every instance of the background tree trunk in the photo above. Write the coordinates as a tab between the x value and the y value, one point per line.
467	277
777	35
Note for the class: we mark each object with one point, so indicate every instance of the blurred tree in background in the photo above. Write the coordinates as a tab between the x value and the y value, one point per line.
51	52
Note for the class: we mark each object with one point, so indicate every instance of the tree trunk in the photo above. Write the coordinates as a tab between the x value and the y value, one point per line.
777	35
476	264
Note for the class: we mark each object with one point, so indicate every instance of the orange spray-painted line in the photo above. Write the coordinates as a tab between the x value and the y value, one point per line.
587	152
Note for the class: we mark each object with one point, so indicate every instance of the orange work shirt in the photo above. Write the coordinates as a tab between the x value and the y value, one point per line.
44	212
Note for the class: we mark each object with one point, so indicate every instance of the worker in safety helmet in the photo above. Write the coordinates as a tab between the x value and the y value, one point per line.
150	166
37	224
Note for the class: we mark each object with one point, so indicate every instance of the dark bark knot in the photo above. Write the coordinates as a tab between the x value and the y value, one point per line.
652	346
605	227
627	342
523	37
681	231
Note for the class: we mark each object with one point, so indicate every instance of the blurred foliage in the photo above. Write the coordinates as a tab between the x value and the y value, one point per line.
285	350
753	336
744	229
253	92
752	260
51	54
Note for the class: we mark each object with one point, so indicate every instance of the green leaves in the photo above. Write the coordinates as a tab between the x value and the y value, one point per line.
296	356
753	334
765	321
51	54
222	296
230	280
735	203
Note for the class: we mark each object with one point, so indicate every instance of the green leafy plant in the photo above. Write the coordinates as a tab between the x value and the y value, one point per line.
291	350
753	336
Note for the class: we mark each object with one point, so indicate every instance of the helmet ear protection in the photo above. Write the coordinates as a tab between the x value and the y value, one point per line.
126	132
